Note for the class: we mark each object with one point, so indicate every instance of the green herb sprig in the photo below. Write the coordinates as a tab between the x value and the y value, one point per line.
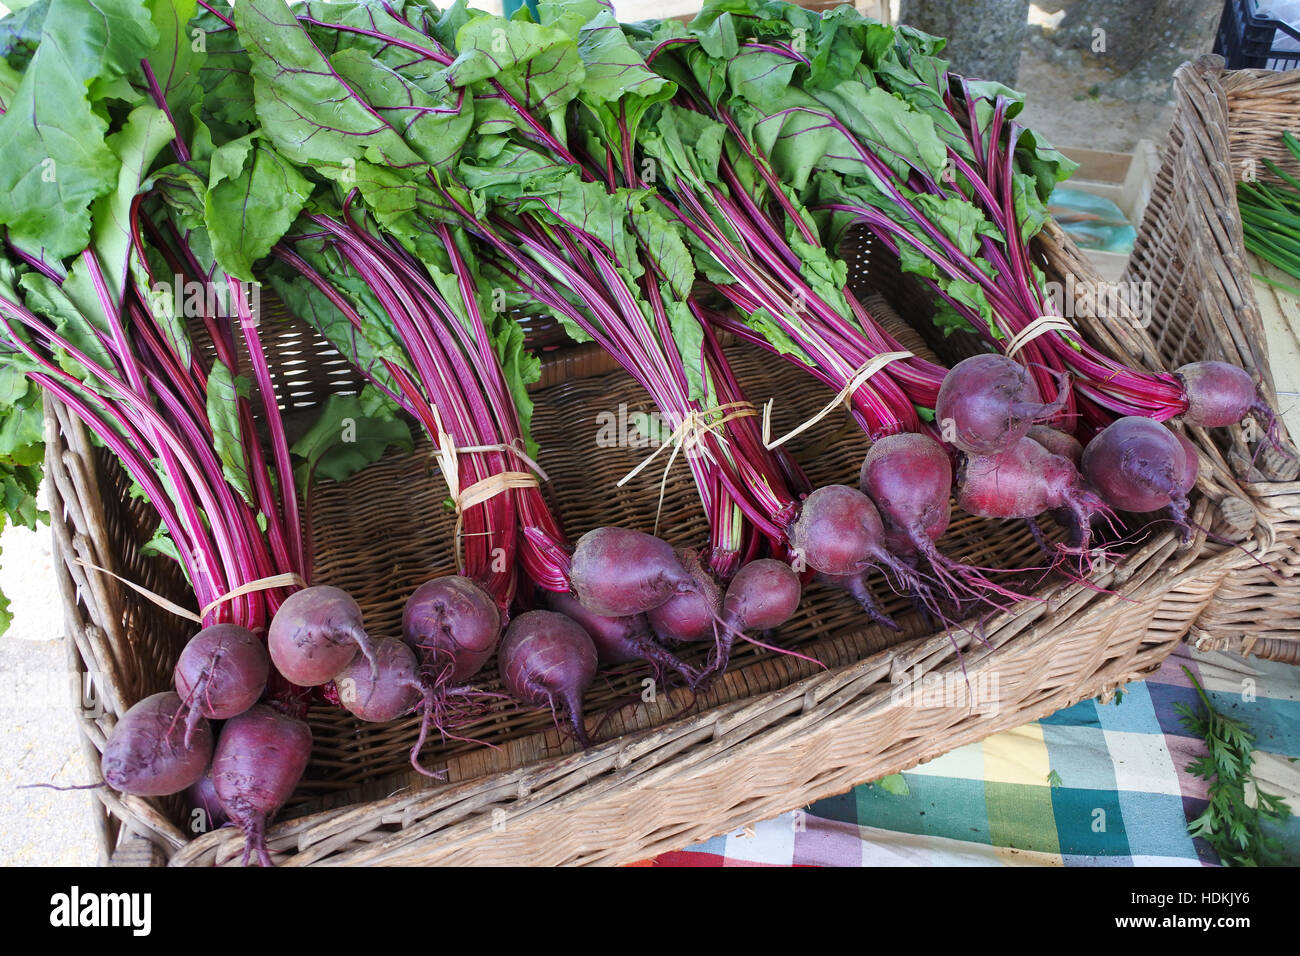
1232	824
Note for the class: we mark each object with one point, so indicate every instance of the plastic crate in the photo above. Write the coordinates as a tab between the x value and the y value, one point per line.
1251	38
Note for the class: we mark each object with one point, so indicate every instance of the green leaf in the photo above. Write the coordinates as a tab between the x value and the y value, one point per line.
591	208
1031	211
538	66
766	324
434	128
135	146
521	368
971	296
501	170
663	243
175	62
306	109
895	784
162	545
688	336
351	433
224	393
253	197
20	32
949	320
617	85
45	297
9	82
22	420
57	160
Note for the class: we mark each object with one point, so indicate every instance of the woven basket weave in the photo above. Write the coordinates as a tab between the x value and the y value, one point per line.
774	733
1190	250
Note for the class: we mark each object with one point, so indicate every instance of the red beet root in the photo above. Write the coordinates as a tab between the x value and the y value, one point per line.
392	689
989	402
1217	393
315	634
1025	481
206	811
908	477
621	640
221	672
453	625
839	533
389	690
689	615
548	660
1057	442
259	760
1140	465
762	596
617	572
146	754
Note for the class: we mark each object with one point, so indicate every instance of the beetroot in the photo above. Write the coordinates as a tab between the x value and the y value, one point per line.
840	533
689	615
206	810
314	635
1057	442
1025	481
909	479
762	596
989	402
548	660
621	640
221	672
1193	469
1140	465
617	572
453	625
1217	393
145	753
392	689
260	757
389	690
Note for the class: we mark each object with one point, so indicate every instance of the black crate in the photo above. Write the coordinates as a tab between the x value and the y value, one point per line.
1247	39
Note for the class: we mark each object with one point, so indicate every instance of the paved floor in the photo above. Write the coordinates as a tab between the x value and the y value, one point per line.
38	736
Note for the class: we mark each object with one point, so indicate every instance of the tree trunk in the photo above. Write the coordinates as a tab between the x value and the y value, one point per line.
1154	36
984	36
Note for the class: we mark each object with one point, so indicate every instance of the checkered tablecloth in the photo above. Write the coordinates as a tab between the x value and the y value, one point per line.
1093	785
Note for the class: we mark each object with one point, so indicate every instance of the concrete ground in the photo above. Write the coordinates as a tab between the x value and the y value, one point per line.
38	736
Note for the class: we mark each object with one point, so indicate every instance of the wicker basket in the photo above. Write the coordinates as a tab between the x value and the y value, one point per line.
773	734
1190	249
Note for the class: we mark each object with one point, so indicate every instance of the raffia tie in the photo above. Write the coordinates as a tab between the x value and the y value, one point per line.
1040	326
868	369
286	580
485	489
689	434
